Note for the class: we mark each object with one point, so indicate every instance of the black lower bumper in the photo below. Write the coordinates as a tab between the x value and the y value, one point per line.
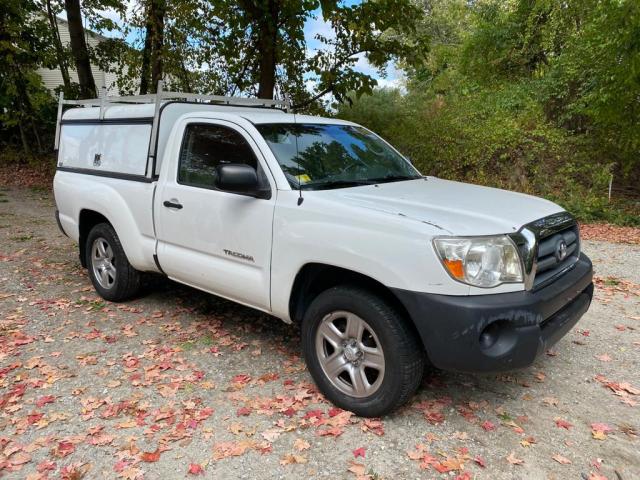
497	332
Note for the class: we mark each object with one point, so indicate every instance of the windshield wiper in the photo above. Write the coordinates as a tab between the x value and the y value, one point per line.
393	178
336	184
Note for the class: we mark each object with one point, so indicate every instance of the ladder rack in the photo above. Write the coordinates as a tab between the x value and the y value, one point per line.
158	98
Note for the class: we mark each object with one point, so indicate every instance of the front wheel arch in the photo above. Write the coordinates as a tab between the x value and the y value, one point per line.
314	278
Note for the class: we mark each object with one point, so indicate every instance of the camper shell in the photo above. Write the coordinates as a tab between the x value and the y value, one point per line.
130	138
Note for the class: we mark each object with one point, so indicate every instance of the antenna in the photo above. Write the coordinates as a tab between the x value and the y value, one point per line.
295	124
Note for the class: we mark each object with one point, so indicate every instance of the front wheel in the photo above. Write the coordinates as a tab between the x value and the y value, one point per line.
360	351
112	275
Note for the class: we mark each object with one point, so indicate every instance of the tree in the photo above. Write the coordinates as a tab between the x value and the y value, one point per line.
380	31
153	50
23	100
61	57
79	49
145	69
264	44
265	16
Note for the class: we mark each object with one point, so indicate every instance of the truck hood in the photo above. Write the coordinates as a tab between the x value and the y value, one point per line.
451	208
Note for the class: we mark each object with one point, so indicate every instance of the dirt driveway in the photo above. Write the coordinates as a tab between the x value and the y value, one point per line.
180	384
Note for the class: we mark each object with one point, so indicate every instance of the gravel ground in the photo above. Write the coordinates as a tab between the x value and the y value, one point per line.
179	384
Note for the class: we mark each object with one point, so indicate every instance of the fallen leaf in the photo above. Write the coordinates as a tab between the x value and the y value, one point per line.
151	456
301	444
488	426
291	459
62	449
513	460
359	452
42	401
480	461
195	469
600	430
373	425
357	468
560	423
562	460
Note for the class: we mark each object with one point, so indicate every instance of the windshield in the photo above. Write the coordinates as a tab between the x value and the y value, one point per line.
321	156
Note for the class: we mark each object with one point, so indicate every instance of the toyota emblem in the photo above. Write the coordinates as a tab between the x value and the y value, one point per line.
561	250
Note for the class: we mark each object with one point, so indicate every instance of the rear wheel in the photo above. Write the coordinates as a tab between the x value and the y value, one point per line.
361	352
112	275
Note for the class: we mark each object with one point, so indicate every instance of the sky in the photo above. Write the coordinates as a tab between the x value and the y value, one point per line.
314	25
317	25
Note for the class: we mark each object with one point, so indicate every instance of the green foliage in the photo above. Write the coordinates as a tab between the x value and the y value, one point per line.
25	106
380	30
535	96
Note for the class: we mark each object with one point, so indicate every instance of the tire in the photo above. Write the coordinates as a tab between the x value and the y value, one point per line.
112	275
377	362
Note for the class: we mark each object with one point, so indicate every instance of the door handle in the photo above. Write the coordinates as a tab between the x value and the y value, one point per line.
170	204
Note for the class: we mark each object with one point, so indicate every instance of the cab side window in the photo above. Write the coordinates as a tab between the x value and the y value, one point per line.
204	147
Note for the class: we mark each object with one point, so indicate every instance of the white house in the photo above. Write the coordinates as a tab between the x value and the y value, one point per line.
53	78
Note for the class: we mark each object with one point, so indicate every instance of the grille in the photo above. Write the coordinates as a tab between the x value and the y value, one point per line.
549	261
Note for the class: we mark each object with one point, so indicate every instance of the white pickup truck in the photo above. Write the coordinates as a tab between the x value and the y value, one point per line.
320	222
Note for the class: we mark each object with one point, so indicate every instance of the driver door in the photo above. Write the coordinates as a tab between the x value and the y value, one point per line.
214	240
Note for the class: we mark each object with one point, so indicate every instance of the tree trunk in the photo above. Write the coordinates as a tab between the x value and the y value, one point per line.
184	77
146	52
157	42
62	61
79	49
267	43
23	107
23	138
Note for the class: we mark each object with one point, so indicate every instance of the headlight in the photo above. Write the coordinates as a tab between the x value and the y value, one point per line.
482	261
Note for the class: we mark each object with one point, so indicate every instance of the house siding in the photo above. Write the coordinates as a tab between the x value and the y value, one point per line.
52	78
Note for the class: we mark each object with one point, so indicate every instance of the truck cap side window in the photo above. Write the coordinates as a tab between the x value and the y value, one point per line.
204	147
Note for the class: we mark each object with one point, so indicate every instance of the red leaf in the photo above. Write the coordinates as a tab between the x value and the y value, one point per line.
601	427
151	456
44	400
46	466
242	378
243	412
63	449
488	426
359	452
563	424
434	417
313	414
120	466
195	469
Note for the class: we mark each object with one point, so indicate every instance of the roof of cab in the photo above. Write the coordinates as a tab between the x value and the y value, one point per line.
147	110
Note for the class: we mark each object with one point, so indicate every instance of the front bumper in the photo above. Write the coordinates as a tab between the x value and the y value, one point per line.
498	332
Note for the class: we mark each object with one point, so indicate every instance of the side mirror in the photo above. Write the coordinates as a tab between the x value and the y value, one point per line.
241	179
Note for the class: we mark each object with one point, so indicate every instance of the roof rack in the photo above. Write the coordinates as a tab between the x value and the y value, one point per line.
157	98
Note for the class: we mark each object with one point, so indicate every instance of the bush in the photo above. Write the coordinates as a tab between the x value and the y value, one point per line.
496	136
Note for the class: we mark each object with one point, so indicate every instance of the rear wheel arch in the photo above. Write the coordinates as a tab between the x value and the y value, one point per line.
86	221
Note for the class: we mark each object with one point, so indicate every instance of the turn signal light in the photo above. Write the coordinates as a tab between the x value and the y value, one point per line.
455	268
